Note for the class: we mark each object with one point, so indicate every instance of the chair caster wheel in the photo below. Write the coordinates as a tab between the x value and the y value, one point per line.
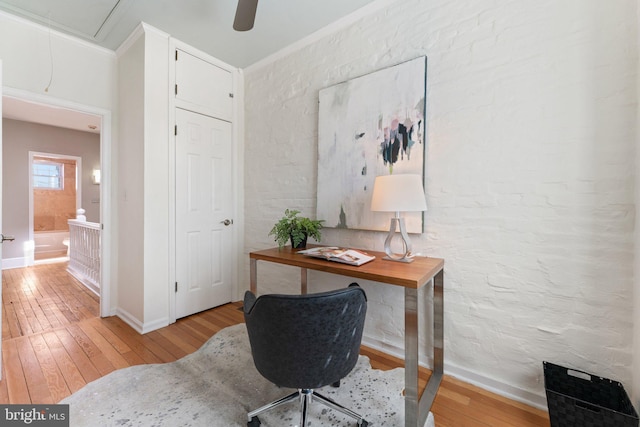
255	422
364	423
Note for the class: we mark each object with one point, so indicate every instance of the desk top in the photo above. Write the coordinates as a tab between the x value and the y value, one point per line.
409	275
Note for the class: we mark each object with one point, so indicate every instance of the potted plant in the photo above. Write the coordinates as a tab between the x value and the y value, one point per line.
296	229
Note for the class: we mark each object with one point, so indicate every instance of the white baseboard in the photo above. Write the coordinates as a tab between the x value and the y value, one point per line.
506	390
140	327
20	262
129	320
85	280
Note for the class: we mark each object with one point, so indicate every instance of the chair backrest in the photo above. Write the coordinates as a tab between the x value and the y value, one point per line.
306	341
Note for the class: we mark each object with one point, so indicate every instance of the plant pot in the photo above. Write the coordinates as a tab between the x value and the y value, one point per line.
301	245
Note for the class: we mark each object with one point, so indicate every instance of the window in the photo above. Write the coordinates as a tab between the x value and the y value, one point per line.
48	175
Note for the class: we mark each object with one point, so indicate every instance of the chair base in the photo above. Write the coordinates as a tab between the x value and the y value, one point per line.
305	396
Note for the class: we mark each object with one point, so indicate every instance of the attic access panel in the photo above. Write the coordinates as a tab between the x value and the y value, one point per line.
80	17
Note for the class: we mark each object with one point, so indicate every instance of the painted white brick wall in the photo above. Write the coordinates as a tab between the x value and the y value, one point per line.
531	119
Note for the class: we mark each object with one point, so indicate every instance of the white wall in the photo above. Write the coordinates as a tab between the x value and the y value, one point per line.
144	184
531	118
79	72
156	178
131	184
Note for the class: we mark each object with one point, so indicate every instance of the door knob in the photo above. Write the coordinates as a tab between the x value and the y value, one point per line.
227	222
8	238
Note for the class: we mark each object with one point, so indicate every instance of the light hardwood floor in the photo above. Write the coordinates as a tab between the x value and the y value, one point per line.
54	344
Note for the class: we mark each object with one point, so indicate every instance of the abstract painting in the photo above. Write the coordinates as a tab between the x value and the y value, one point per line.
369	126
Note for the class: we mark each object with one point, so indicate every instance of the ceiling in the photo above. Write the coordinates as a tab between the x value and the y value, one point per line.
203	24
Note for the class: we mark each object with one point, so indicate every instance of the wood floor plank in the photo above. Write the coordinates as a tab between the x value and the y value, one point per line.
97	358
112	355
185	342
201	326
13	324
14	376
138	343
4	393
52	375
108	335
168	345
34	377
198	336
70	372
87	370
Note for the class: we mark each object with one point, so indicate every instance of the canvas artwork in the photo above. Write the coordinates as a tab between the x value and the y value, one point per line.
369	126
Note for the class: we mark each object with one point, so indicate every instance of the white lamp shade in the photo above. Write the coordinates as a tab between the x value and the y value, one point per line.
398	193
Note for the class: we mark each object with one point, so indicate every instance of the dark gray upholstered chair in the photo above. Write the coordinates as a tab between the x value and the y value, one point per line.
305	342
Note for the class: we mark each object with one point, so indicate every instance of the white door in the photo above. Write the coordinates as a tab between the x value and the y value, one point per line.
205	87
204	207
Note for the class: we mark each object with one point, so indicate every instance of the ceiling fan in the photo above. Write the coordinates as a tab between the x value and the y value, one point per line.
245	15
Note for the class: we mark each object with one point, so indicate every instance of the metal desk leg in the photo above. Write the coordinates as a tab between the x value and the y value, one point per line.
303	281
417	410
411	414
253	276
438	348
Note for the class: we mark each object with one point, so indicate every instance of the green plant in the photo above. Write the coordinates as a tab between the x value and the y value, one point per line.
295	228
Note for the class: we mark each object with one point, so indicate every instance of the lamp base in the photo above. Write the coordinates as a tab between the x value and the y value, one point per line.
406	242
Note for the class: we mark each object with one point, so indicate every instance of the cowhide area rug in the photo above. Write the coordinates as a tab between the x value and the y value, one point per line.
218	384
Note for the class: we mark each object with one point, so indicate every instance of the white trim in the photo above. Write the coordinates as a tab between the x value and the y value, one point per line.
84	280
140	327
33	154
20	262
238	132
172	179
129	319
44	29
138	32
130	40
332	28
106	308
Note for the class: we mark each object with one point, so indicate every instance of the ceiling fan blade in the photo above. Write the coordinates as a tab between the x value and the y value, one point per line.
245	15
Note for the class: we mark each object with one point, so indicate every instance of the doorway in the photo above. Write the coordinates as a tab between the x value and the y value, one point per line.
53	108
55	186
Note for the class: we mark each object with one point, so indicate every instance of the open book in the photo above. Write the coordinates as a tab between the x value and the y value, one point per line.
333	253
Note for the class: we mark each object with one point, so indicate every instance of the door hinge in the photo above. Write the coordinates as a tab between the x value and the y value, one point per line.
176	89
176	287
176	54
175	130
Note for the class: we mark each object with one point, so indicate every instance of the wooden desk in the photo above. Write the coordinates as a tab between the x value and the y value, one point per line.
412	277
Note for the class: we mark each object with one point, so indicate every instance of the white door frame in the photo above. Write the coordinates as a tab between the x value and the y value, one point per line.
106	285
32	154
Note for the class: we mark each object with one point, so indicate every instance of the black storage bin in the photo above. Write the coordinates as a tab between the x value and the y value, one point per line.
579	399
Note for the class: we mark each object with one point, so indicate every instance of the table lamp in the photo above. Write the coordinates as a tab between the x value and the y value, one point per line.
398	193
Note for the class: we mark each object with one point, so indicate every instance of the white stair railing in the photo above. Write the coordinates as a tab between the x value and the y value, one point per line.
84	252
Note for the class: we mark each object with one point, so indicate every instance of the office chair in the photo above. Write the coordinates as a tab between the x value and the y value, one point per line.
305	342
